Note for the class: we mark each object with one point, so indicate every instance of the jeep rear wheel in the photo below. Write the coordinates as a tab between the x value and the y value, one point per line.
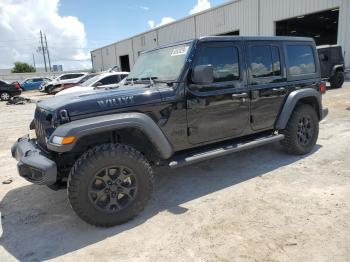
337	80
110	184
301	132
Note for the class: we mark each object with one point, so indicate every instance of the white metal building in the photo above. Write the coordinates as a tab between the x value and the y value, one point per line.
328	21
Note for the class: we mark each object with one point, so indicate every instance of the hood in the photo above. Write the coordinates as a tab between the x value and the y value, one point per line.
100	100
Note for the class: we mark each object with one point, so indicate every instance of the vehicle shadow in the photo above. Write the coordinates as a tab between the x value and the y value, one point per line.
38	224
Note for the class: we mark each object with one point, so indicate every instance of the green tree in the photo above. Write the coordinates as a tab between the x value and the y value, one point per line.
23	68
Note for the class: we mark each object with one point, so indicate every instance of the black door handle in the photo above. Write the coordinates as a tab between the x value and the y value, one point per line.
241	95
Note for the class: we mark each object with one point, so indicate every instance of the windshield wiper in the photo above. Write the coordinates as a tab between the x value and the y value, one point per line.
154	80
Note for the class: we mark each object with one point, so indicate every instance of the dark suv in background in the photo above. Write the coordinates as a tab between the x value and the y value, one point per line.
181	104
332	65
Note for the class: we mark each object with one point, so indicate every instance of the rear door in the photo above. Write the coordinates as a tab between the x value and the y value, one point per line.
219	110
268	82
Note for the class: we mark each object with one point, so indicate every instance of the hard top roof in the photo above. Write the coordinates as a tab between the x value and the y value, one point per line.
236	38
256	38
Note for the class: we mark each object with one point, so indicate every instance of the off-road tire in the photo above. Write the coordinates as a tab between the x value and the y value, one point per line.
337	80
291	143
84	171
5	96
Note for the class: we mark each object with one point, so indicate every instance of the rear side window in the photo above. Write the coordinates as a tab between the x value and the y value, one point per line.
265	61
224	61
301	60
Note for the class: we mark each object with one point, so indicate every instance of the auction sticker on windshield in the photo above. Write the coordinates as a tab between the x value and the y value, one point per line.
180	51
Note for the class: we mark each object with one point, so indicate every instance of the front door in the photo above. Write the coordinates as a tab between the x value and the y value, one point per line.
219	110
268	83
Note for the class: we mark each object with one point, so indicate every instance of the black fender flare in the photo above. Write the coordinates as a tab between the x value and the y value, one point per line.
98	124
337	67
291	101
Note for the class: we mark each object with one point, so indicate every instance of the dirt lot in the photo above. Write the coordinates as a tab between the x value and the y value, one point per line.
257	205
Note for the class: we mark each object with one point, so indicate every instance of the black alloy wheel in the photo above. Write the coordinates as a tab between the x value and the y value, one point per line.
113	188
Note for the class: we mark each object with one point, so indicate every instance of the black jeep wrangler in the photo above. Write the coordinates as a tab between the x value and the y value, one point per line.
332	65
182	103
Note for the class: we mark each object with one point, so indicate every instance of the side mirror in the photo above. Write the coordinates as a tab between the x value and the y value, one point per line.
203	75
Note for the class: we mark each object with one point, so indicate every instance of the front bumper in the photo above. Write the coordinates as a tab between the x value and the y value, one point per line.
32	164
324	113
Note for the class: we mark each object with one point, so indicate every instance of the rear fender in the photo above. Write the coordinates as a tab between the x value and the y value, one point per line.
292	100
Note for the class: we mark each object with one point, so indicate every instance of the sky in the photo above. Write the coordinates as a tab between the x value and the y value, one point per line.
75	27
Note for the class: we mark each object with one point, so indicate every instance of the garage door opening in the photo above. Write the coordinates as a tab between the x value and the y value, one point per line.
322	26
124	63
230	33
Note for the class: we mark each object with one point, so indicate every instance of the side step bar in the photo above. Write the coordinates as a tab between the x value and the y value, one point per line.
187	159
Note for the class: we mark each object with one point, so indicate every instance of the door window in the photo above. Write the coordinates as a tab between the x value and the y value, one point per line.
276	61
301	60
261	61
225	62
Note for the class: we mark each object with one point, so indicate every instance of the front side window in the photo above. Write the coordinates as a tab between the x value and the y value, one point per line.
301	60
225	62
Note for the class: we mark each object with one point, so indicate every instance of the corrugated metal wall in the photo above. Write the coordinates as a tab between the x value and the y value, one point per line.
250	17
241	16
182	30
144	42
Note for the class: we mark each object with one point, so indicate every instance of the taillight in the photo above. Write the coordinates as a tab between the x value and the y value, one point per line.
17	85
322	87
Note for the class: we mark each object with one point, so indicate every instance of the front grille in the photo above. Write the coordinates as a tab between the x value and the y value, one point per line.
42	123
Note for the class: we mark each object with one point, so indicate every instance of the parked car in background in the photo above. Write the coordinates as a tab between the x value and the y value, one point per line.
8	90
58	88
34	83
332	64
71	78
99	80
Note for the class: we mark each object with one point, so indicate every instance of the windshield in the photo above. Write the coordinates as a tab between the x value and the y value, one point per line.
91	81
162	64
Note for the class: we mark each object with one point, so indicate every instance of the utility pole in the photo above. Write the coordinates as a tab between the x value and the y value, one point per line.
48	53
34	61
42	48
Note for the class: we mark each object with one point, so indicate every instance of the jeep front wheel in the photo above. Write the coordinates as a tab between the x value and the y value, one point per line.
110	184
301	132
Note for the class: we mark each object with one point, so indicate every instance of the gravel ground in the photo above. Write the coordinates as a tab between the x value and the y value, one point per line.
257	205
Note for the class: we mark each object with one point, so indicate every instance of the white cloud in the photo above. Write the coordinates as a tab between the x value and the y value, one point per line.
165	20
20	24
144	7
200	6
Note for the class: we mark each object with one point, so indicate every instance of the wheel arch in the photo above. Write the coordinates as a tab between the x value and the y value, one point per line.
337	68
305	96
128	128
